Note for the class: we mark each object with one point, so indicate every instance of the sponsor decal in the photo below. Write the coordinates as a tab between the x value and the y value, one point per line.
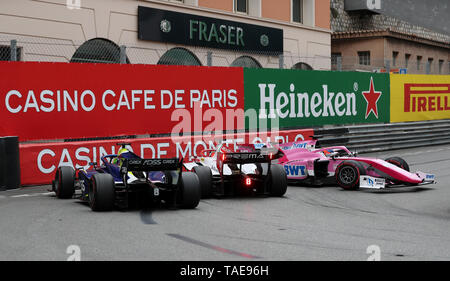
40	160
319	104
372	98
426	97
294	146
420	97
295	170
110	100
288	98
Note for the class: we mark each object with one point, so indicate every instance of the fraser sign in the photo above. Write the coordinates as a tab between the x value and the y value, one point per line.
194	30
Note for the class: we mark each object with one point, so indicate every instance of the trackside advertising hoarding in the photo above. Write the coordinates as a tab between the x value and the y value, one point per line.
70	100
313	98
420	97
39	161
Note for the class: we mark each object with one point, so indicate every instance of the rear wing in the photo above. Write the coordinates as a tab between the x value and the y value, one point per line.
147	165
246	157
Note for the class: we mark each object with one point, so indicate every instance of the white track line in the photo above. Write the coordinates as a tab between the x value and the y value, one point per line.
29	195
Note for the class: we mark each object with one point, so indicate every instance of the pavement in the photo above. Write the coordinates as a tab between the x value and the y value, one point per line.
319	223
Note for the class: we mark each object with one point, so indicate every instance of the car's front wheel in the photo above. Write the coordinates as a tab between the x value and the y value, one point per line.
64	183
348	174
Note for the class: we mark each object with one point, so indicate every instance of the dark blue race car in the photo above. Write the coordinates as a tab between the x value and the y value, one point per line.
125	177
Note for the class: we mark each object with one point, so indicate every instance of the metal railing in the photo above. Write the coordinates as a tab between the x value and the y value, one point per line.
435	66
25	48
383	137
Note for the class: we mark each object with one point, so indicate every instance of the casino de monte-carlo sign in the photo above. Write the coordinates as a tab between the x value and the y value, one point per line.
193	30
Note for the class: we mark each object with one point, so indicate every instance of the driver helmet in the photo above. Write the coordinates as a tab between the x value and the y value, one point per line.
117	160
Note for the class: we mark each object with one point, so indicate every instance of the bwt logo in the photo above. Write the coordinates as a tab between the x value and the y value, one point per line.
426	97
295	170
73	4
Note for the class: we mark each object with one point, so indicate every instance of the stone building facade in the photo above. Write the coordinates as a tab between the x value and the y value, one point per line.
94	30
371	41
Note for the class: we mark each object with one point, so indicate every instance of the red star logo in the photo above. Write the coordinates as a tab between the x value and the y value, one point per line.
372	98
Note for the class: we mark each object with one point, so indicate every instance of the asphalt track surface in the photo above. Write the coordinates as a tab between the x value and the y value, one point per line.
326	223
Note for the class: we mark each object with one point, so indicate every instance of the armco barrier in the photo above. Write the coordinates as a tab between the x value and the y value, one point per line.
40	160
9	163
383	137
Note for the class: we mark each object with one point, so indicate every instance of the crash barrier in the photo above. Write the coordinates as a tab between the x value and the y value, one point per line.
383	137
98	100
420	97
9	163
40	160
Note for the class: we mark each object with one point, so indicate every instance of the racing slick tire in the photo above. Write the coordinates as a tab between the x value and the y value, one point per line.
399	162
190	191
278	180
204	175
348	174
64	183
102	193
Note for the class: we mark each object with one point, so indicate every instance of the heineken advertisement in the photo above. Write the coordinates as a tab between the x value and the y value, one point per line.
187	29
297	98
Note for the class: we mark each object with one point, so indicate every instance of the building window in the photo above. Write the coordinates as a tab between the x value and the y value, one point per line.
441	64
246	61
335	58
419	62
241	6
98	50
179	56
5	53
302	66
429	65
364	58
407	57
394	58
297	11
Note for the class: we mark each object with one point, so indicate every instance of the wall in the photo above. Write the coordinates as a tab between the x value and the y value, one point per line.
49	31
350	48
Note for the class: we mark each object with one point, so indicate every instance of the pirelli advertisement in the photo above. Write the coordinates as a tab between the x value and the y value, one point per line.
419	97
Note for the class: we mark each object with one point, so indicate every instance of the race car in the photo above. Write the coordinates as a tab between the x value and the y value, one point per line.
124	177
245	170
305	164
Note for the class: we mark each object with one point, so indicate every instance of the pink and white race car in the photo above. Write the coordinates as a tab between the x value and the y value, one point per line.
306	164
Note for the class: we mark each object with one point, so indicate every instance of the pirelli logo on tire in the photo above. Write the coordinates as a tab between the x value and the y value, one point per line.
420	97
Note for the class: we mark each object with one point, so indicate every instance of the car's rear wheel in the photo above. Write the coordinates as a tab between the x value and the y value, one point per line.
277	181
399	162
204	175
348	174
64	183
190	193
102	193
